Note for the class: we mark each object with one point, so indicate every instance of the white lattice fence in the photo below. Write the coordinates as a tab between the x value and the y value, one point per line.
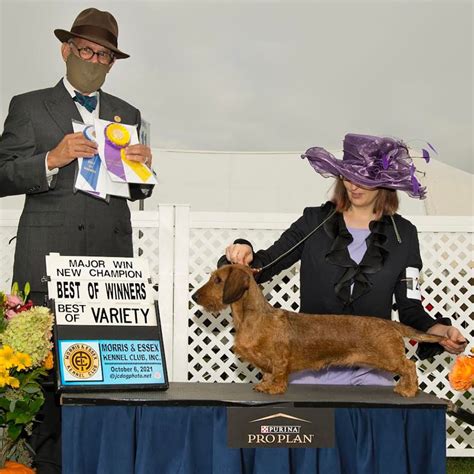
183	249
447	288
153	238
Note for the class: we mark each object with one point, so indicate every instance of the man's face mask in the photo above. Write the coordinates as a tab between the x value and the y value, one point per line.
85	76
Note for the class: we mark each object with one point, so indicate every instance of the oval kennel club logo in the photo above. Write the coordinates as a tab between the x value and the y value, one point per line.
81	361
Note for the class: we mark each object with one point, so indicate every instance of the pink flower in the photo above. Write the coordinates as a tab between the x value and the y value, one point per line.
13	301
14	305
10	313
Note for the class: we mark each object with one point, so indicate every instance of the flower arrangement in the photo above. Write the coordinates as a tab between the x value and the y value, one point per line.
25	358
461	376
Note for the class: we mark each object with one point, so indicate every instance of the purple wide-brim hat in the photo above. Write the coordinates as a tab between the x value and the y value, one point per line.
372	162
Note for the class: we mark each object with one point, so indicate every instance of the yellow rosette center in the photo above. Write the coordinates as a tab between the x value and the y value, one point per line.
117	134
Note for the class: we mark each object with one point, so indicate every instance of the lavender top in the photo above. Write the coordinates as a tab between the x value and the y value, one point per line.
347	375
358	246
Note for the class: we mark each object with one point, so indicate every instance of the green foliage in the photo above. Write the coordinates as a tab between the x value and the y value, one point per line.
25	344
19	406
23	295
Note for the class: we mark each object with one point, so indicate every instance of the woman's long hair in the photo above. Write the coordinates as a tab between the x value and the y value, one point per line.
386	202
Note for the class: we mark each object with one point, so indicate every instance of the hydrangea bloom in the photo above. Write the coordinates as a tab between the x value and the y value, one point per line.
30	332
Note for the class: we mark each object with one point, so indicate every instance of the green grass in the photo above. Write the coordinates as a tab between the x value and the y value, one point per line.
460	466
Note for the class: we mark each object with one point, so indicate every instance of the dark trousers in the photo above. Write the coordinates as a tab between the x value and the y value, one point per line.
46	436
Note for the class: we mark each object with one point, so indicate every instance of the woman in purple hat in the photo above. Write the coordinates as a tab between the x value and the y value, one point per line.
357	253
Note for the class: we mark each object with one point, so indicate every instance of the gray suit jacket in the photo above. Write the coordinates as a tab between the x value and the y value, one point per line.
56	219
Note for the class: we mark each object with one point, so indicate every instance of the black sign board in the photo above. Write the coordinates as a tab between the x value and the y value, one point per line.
280	427
107	324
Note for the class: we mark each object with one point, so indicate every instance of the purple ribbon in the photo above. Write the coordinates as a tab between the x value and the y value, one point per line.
113	159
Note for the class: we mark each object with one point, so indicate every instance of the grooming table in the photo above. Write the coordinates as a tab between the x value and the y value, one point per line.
184	430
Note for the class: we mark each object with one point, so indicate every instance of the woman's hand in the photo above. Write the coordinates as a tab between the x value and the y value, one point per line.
239	253
455	342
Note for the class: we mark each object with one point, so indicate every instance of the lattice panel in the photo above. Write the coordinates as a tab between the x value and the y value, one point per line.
145	244
448	290
447	287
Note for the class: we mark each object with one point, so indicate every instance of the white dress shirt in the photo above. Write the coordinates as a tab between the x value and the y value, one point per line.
87	118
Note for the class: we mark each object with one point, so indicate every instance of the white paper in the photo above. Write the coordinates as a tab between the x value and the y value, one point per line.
81	183
105	186
412	275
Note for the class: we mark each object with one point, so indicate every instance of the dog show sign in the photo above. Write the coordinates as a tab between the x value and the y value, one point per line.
107	324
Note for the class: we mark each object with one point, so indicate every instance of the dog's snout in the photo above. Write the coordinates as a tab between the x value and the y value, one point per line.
195	296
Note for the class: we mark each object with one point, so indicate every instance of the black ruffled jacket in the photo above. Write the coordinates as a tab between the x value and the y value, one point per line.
327	271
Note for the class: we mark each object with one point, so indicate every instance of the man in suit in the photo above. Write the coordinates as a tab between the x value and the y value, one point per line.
38	153
38	158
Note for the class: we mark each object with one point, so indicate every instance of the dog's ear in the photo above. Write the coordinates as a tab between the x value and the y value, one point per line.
236	284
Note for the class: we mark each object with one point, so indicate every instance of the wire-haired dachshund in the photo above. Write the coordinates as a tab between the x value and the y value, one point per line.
279	342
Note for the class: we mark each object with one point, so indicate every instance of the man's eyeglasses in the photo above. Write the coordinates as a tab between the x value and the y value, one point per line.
87	54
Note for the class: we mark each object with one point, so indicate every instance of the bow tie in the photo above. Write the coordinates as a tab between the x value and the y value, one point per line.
87	101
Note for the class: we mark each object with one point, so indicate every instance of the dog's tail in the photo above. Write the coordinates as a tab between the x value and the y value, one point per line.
407	331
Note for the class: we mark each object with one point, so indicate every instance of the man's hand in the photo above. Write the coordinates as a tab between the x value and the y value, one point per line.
140	153
239	253
455	342
72	146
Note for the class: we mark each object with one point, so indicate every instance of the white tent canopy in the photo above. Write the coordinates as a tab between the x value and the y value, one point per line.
277	182
283	182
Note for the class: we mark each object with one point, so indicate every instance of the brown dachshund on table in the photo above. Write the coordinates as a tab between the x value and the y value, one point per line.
279	342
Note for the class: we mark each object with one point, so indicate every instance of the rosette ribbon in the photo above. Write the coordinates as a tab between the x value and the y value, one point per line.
117	138
91	166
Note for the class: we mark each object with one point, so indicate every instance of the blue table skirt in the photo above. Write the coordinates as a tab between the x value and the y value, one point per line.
192	440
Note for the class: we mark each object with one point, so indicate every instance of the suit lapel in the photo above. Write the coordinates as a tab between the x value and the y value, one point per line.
62	108
107	111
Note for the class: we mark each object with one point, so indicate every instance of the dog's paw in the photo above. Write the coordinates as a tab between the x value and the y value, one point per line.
270	388
406	392
260	387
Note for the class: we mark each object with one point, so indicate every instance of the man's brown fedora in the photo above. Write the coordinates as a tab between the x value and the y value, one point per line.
97	26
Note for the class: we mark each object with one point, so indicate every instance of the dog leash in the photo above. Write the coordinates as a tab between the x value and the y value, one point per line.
459	413
258	270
